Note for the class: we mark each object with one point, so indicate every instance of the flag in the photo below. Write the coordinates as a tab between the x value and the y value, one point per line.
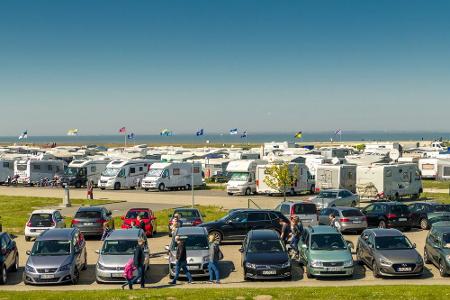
233	131
24	135
72	132
200	132
122	130
131	136
338	132
299	135
244	134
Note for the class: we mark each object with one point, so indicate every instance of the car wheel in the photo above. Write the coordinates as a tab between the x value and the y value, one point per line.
78	185
230	194
376	272
27	239
415	197
382	224
161	187
309	275
188	187
426	258
424	224
146	190
312	189
102	188
4	275
117	186
217	236
76	276
248	191
442	271
15	266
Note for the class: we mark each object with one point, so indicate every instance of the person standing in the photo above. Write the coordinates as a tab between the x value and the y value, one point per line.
90	190
128	274
181	262
140	222
214	256
106	231
139	262
284	230
296	233
176	223
332	220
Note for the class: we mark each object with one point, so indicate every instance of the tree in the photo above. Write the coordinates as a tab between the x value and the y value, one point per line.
281	177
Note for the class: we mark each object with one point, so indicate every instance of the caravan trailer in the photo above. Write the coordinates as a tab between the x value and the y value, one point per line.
32	171
391	181
171	176
435	168
6	169
80	172
242	179
124	173
336	177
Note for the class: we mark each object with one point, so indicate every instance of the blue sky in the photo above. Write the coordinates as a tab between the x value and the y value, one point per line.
267	66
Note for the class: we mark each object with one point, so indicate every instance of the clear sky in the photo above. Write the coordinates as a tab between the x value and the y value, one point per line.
266	66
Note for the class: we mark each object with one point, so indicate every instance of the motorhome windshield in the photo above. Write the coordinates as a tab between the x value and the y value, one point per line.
111	172
155	172
239	176
22	167
71	171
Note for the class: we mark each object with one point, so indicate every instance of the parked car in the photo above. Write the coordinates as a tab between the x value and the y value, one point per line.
325	253
422	211
437	248
57	256
42	220
238	223
347	219
117	249
305	210
188	217
388	215
388	253
1	225
264	256
335	197
147	216
9	256
197	251
90	220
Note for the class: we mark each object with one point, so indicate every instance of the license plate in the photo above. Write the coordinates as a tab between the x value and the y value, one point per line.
269	272
187	224
117	275
88	224
39	230
48	276
333	269
193	267
356	222
402	219
404	269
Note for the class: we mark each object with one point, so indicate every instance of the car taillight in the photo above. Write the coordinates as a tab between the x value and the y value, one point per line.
391	216
29	224
292	211
197	222
257	182
344	220
75	222
317	189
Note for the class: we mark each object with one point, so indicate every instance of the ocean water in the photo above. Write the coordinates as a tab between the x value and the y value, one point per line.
230	139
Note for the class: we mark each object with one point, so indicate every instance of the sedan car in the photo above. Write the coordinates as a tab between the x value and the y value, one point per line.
147	217
90	220
421	212
335	197
42	220
58	256
437	247
347	219
388	215
188	217
9	256
264	256
388	253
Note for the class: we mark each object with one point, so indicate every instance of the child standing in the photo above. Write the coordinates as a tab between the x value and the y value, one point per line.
128	274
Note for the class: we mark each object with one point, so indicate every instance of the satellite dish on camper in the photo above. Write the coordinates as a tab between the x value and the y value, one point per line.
394	154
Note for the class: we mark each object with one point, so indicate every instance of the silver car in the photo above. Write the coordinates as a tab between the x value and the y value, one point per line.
117	249
347	219
58	256
197	251
335	197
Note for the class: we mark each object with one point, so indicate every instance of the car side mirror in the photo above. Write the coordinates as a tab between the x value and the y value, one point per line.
97	251
28	252
414	245
229	222
167	248
241	250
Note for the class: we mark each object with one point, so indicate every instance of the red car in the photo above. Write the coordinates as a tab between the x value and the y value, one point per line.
147	216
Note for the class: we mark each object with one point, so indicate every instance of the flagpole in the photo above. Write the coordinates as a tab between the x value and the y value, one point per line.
125	135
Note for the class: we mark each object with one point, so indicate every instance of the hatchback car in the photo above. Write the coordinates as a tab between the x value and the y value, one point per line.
306	211
147	217
347	219
388	253
197	251
188	217
117	249
90	220
421	212
325	253
9	256
239	222
388	215
335	197
437	247
42	220
57	256
264	256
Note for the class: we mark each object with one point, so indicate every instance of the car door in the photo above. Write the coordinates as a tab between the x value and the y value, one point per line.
235	227
78	249
303	246
324	216
430	245
244	250
259	220
369	254
7	250
372	218
413	209
362	247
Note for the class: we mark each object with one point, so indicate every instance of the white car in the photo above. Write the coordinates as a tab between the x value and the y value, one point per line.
42	220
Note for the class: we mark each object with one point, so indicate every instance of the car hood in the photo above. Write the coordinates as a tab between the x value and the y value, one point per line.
267	258
192	256
49	261
330	255
114	260
400	256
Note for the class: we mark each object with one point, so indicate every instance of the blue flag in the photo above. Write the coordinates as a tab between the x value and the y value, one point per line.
200	132
131	136
233	131
244	134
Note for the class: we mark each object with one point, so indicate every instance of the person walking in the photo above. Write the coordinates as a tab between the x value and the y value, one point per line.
296	233
139	263
90	190
181	262
128	274
176	223
106	230
332	220
140	223
214	256
284	230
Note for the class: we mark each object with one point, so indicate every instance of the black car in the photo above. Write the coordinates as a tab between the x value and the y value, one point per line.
90	220
388	215
9	256
421	212
239	222
264	256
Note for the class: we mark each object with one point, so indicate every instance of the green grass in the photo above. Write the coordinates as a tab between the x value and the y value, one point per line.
435	184
440	197
317	293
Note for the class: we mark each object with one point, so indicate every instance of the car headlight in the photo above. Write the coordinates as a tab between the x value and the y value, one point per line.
316	264
348	263
385	262
250	266
65	268
29	269
206	259
100	266
286	265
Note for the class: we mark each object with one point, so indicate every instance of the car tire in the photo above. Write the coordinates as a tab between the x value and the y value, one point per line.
424	225
309	275
146	190
312	190
426	257
102	188
382	224
117	186
78	185
217	236
248	192
376	273
187	187
414	197
230	194
3	275
27	238
442	271
161	187
15	266
76	276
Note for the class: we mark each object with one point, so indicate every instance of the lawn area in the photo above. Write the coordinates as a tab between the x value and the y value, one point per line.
15	210
439	197
317	293
435	184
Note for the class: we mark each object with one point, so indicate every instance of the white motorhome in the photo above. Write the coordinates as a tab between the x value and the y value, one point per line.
336	177
304	181
172	176
242	179
391	181
32	171
435	168
124	173
6	169
80	172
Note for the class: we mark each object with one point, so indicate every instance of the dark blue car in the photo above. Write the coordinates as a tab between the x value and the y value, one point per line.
9	256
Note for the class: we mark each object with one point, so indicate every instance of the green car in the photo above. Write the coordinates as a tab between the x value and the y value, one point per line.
325	253
437	247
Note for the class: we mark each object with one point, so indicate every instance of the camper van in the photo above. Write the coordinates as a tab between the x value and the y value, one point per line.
304	181
435	168
32	171
391	181
124	174
242	179
6	169
336	177
172	176
79	172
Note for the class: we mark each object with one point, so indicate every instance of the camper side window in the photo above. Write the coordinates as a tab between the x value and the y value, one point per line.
132	170
141	169
93	169
176	171
50	167
165	174
36	167
196	170
5	164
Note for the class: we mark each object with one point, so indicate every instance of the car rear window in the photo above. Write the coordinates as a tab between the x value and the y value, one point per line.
188	213
305	209
399	209
132	214
41	220
88	215
352	213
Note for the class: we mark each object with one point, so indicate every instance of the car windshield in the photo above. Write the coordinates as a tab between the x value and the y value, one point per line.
392	243
71	171
194	242
111	172
305	209
119	247
446	240
327	194
265	246
187	213
51	248
41	220
352	213
132	214
331	241
155	172
21	167
87	214
438	208
239	176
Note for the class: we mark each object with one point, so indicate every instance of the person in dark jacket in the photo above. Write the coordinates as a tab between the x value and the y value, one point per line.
181	261
296	233
284	230
139	263
140	222
214	256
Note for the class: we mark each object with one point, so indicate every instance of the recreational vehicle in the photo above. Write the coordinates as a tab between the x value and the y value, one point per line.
171	176
32	171
336	177
435	168
124	173
6	169
242	180
80	172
